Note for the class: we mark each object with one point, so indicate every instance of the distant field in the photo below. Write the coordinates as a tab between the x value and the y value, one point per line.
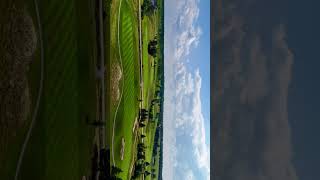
146	60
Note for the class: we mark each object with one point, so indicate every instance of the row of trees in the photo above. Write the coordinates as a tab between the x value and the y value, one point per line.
141	165
152	47
147	8
107	172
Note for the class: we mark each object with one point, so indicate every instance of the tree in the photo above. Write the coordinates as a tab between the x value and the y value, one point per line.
141	145
147	8
143	136
115	170
153	176
152	47
139	168
146	173
146	163
152	50
142	125
141	156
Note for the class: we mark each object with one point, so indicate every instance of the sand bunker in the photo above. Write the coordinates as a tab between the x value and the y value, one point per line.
123	143
116	75
19	43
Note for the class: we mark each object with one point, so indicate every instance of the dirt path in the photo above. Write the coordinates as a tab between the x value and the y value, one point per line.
25	143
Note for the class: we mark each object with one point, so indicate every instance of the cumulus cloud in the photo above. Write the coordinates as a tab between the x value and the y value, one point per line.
188	125
252	138
189	113
183	24
186	154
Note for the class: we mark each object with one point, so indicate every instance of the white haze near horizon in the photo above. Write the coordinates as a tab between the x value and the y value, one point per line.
186	155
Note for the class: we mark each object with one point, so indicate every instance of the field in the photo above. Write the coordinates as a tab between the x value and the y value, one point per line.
65	78
60	142
136	90
127	110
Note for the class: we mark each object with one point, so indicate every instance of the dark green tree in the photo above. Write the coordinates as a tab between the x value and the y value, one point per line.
147	8
146	173
142	125
115	170
146	163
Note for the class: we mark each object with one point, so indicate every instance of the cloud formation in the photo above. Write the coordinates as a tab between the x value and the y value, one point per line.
186	155
252	138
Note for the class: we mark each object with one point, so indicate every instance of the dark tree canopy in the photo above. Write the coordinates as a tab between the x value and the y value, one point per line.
147	8
152	48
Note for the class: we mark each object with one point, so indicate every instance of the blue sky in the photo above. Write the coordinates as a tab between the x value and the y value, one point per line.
187	90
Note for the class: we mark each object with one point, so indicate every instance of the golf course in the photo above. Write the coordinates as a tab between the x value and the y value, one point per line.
82	89
134	83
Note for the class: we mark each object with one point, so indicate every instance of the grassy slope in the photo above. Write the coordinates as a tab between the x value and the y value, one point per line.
128	109
61	139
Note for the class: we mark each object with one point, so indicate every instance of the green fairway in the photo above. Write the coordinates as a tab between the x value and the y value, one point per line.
129	84
128	109
61	139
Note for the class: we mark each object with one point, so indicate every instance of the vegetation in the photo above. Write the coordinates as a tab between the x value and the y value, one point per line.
147	8
152	47
60	143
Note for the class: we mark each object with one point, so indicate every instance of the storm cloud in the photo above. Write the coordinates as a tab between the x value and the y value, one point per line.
253	69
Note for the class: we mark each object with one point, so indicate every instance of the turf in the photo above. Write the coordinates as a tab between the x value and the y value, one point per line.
146	63
61	139
128	109
10	145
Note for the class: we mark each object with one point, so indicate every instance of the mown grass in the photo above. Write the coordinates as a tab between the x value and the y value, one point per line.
150	25
10	145
128	109
145	58
60	145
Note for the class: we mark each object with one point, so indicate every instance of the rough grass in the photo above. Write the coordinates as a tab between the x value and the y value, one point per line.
11	137
150	25
60	144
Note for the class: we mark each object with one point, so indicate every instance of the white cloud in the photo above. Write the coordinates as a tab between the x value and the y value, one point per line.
189	175
187	122
181	26
185	153
198	134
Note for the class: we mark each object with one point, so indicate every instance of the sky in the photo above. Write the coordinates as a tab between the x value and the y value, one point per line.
186	136
266	113
252	131
304	113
